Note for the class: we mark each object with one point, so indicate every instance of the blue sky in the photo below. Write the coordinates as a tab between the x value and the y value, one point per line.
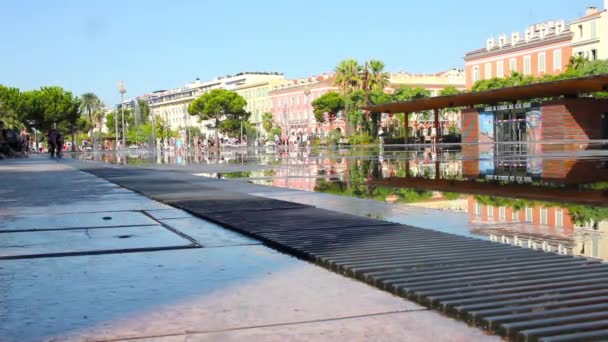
91	45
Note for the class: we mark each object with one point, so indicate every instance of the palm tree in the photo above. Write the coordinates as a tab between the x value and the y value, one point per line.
348	79
90	103
378	79
577	62
98	116
267	122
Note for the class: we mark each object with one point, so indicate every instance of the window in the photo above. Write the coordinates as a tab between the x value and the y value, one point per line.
488	71
559	218
477	209
500	69
529	214
543	216
490	211
513	65
476	73
515	216
557	59
593	56
593	25
542	68
502	213
527	65
580	31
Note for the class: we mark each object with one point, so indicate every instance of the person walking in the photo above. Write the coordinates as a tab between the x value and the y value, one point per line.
25	141
52	136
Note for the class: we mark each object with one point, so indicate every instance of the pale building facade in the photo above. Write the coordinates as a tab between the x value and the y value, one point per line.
258	100
172	105
589	34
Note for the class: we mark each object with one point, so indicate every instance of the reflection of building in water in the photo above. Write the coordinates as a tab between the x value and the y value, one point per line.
483	160
458	205
537	226
300	172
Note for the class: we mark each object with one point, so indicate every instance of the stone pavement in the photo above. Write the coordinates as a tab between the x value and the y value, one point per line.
84	259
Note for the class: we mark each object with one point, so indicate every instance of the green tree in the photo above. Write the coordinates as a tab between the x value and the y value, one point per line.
376	97
356	116
327	106
267	121
129	121
144	111
9	104
450	90
408	94
219	105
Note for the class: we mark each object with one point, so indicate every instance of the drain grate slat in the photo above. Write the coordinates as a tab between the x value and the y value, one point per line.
584	336
511	329
532	334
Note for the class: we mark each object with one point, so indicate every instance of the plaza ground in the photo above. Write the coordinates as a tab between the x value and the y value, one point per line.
84	259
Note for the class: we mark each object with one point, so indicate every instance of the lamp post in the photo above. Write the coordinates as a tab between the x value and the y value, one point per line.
307	93
116	129
286	125
122	90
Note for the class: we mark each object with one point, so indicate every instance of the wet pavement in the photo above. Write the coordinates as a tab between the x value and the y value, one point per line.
520	292
94	261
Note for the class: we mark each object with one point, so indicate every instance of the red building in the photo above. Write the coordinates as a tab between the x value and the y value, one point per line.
292	108
544	48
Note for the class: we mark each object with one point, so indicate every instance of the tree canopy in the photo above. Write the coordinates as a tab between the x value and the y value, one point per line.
220	105
327	106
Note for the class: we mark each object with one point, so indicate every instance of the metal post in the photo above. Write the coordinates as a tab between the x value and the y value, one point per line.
153	135
122	90
122	109
436	124
406	125
116	129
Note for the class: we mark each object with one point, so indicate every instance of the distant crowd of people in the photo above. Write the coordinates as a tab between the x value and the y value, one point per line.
17	144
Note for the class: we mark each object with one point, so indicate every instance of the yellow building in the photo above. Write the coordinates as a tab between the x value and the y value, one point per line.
421	124
258	98
590	34
432	82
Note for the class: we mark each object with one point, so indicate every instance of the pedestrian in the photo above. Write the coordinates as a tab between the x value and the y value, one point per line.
52	137
25	140
4	149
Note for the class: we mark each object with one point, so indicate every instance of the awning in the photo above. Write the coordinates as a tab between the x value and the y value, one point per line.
568	87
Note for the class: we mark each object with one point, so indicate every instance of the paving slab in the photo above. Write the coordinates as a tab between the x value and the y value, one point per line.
208	234
75	220
173	292
162	214
61	242
413	326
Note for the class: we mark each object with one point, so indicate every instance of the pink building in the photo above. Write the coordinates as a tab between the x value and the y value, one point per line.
292	108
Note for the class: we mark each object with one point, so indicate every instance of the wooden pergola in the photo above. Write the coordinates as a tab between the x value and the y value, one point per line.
569	87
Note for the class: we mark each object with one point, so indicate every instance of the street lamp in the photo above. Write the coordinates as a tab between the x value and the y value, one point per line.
307	93
122	90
